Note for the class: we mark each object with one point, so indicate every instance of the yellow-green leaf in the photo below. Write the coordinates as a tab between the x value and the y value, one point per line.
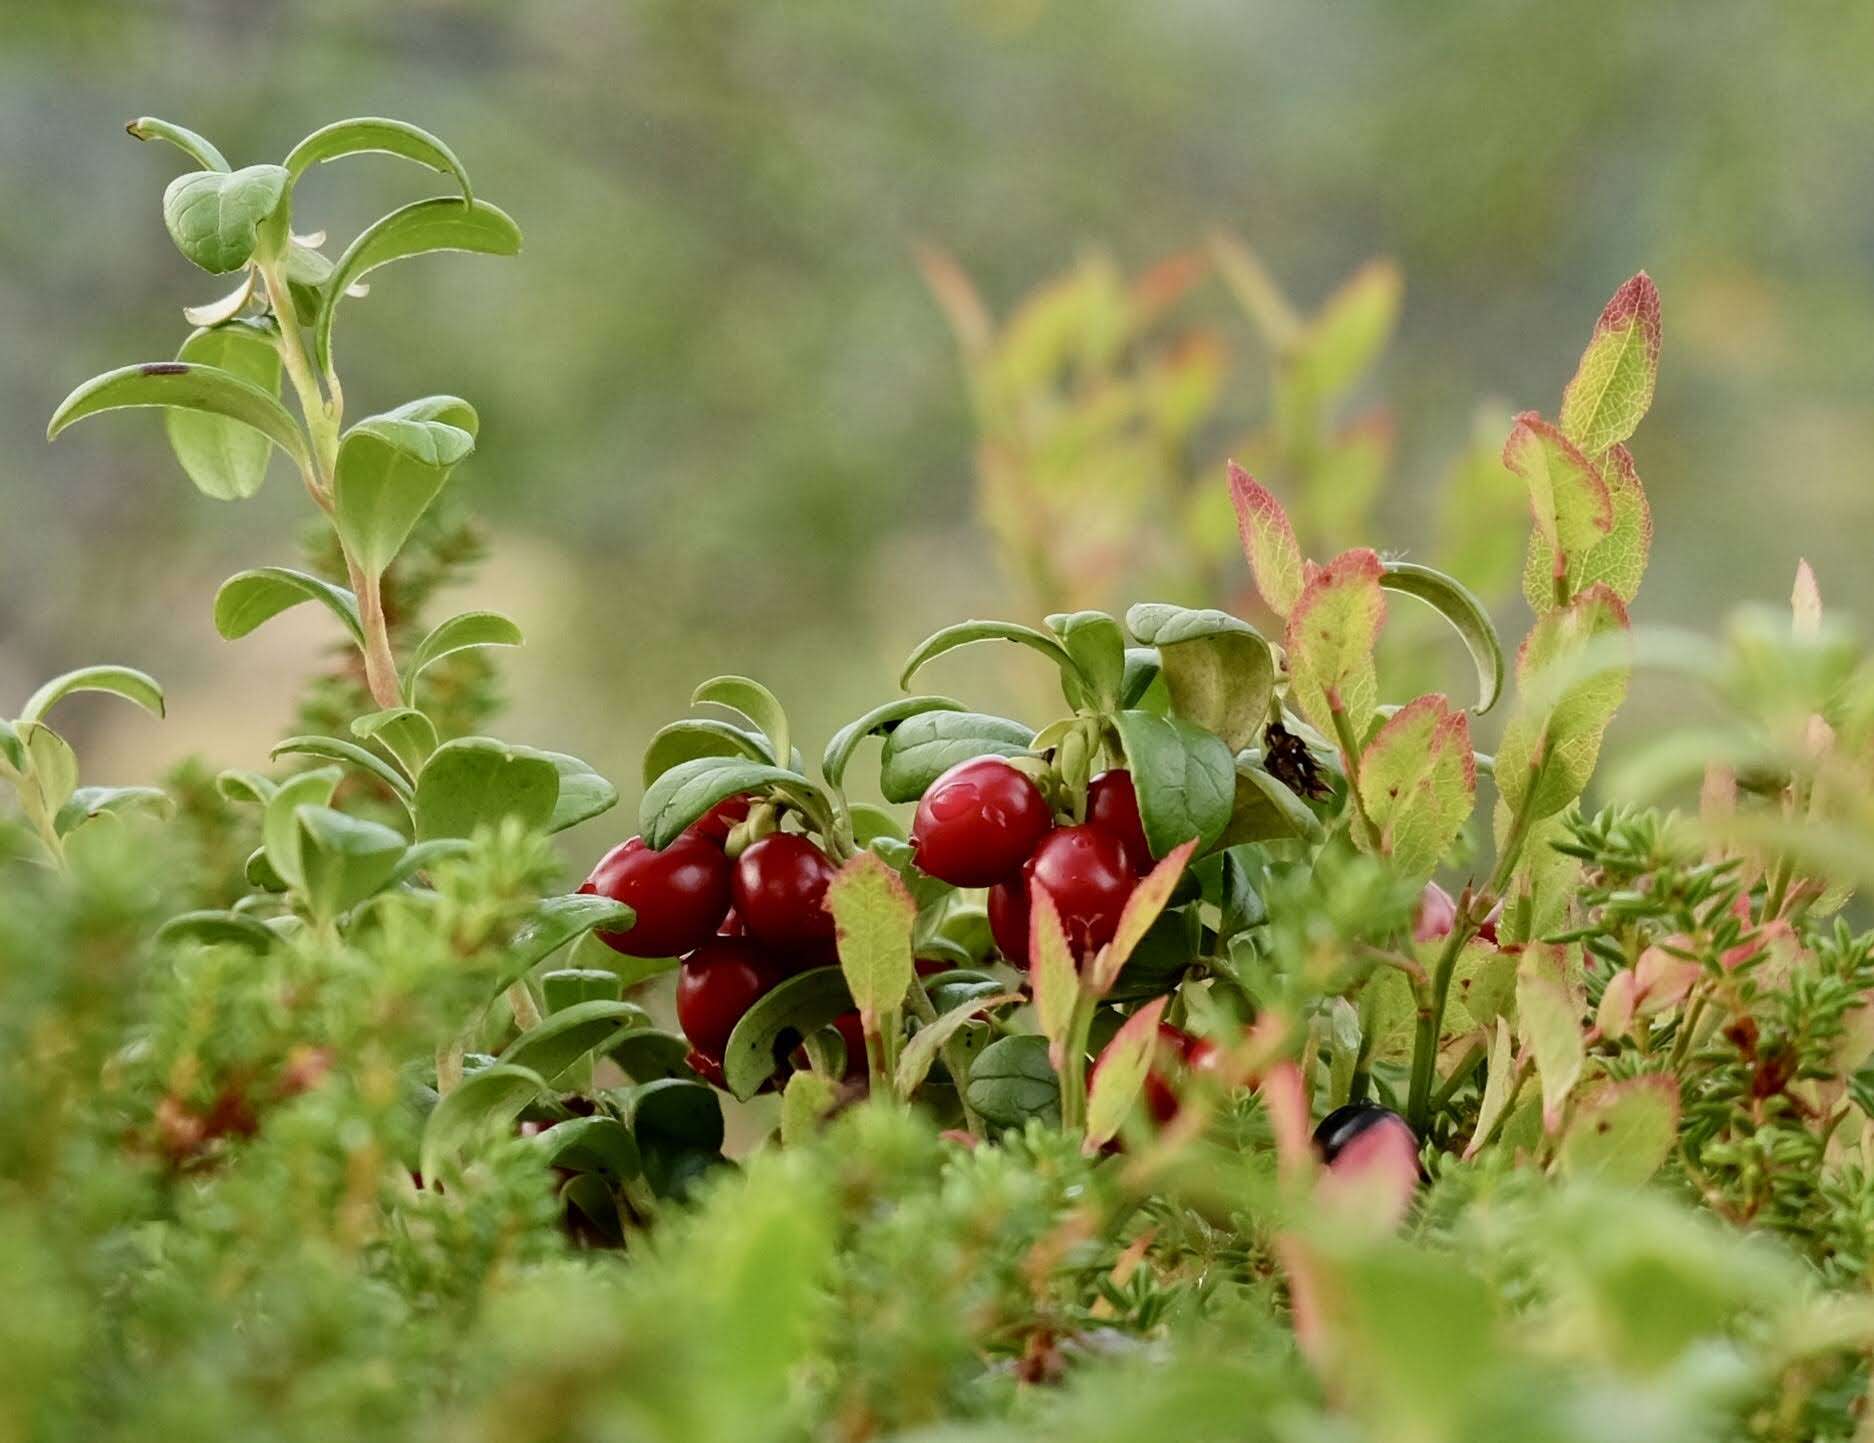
1617	560
1568	497
873	916
1418	778
1332	631
1051	973
1623	1132
1268	541
1142	909
1548	1016
1613	386
1121	1073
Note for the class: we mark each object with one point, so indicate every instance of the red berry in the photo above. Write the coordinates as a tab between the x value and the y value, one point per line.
716	823
1008	919
731	926
780	891
1113	806
1435	915
1488	931
978	822
680	894
717	983
1088	873
705	1067
1177	1055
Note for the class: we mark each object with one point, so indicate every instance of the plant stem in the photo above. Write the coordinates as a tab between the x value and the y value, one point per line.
521	1002
380	665
1350	754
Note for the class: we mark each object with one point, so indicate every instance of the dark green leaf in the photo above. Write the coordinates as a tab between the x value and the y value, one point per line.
685	741
959	987
216	927
966	633
190	387
565	1037
557	921
880	719
458	633
1184	776
645	1055
591	1144
924	747
1012	1081
1097	645
568	986
476	780
373	135
226	459
676	1109
1455	602
485	1102
1143	688
249	598
1265	810
799	1007
126	682
427	226
215	217
584	794
682	794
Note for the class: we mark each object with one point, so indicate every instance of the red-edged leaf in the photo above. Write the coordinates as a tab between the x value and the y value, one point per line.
1613	386
873	915
1330	639
1148	899
1120	1074
1051	973
1418	778
1268	542
1568	497
1548	1015
1617	561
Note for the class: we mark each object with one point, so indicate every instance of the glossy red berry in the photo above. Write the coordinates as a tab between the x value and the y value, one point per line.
716	823
1113	806
780	891
978	822
680	894
1088	873
717	983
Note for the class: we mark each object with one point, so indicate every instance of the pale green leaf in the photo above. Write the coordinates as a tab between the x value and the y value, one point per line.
873	916
1332	631
1418	778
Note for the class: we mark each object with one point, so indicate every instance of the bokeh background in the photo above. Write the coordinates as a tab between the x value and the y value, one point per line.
726	424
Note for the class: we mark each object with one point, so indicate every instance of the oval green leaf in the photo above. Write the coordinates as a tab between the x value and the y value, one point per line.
249	598
924	747
693	737
591	1144
565	1037
484	1102
226	459
390	468
212	928
458	633
1185	778
332	749
188	386
215	216
374	135
752	700
197	148
1218	670
967	633
404	732
557	921
343	860
1011	1081
476	780
801	1005
127	682
880	719
686	791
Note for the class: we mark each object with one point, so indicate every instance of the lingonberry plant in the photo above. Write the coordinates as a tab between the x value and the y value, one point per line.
1198	1054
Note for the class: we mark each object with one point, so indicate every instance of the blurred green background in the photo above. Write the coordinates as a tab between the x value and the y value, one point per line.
724	423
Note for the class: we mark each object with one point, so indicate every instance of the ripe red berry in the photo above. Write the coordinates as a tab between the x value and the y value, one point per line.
680	894
780	891
1113	806
978	822
717	983
716	823
1087	873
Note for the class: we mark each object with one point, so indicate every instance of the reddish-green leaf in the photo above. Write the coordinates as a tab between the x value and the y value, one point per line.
1051	973
1268	541
1142	909
1418	778
1617	560
1568	497
1548	1016
1623	1132
1121	1073
1613	385
873	915
1332	631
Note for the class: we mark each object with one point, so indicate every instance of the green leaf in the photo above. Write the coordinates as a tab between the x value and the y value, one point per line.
645	1054
307	272
1264	809
483	1103
226	459
1120	1074
1012	1081
127	682
694	737
1552	740
1617	561
967	633
752	700
1144	686
805	1102
675	1110
869	823
1219	671
1549	1018
566	1037
1350	330
279	825
914	1063
189	386
373	135
584	794
476	780
458	633
1613	385
343	860
1569	497
249	598
1097	645
682	794
51	769
1052	973
924	747
332	749
390	468
244	786
215	216
1418	777
591	1144
404	732
423	856
444	224
1268	542
873	919
12	749
800	1006
88	802
1500	1073
1624	1132
1332	632
204	154
1184	776
1455	602
555	922
565	987
213	928
883	718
